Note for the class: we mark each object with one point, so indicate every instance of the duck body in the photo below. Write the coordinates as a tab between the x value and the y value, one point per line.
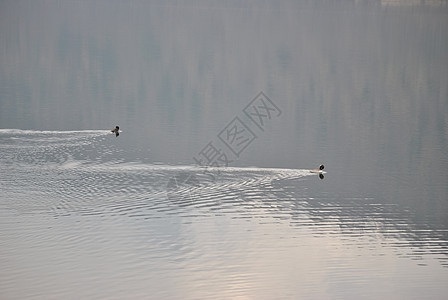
116	130
320	170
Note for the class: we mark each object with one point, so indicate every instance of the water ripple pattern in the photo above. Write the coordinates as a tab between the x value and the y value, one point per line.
70	192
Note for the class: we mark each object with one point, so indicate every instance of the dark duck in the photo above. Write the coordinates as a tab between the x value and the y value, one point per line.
116	130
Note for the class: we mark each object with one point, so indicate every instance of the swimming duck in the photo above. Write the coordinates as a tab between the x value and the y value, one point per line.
320	170
116	130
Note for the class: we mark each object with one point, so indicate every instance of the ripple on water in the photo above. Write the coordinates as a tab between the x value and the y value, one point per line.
216	225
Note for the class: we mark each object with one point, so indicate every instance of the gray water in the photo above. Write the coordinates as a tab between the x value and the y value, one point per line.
224	108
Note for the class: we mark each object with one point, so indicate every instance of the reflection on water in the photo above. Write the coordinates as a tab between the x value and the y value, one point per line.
70	202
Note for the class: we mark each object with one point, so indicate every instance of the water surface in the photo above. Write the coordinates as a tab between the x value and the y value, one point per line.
361	88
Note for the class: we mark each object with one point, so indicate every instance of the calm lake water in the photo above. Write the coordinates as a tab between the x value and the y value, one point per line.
224	108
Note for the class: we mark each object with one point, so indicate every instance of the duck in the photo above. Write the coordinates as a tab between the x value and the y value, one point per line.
320	170
116	130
